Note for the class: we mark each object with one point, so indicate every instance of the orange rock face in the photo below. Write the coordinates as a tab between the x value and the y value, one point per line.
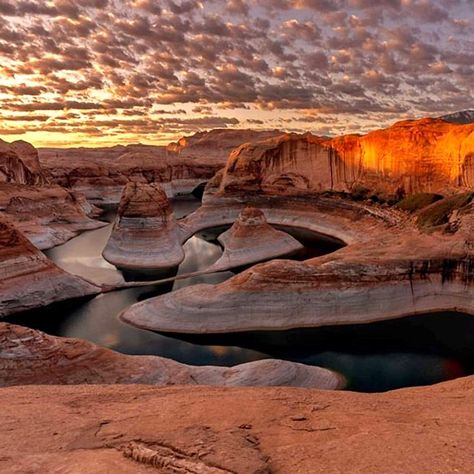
19	163
415	156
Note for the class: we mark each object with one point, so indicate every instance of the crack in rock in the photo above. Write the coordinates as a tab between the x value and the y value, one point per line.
170	460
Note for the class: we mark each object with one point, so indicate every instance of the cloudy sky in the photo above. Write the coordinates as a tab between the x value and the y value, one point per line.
96	72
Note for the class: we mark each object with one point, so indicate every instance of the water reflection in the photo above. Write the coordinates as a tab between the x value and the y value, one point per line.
374	357
97	320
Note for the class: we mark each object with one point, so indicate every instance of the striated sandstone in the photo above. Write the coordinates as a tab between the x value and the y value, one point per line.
428	155
29	357
138	429
390	268
47	215
145	236
28	279
251	239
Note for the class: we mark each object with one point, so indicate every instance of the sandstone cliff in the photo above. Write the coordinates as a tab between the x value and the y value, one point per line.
426	155
101	173
19	163
47	215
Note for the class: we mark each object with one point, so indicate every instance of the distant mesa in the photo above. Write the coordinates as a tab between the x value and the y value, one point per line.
101	173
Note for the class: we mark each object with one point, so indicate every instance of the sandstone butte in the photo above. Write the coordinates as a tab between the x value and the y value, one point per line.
393	264
19	163
101	173
251	239
222	430
145	236
29	357
28	279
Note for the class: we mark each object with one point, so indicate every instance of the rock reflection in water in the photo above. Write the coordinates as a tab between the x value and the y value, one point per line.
375	357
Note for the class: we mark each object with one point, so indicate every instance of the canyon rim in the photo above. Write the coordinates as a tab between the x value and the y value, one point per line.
237	236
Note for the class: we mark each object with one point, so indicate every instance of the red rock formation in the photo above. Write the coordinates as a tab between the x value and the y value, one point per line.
137	429
415	156
29	357
251	239
101	173
28	279
145	236
47	215
390	269
19	163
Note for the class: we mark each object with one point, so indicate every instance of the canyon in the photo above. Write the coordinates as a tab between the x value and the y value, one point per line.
393	214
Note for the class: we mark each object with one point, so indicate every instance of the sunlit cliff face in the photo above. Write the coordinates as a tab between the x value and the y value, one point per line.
94	72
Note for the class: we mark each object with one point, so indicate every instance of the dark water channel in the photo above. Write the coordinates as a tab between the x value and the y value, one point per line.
412	351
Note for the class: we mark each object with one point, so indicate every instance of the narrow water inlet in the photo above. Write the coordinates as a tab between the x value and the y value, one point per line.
380	356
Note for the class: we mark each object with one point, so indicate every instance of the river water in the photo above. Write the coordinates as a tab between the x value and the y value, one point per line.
376	357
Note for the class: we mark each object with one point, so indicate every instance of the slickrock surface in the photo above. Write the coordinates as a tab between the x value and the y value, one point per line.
19	163
29	357
251	239
395	265
142	429
428	155
394	270
101	173
28	279
47	215
145	236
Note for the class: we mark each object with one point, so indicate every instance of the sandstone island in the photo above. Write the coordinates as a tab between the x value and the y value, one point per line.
306	245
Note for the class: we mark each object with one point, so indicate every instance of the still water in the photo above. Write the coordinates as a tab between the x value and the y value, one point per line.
381	356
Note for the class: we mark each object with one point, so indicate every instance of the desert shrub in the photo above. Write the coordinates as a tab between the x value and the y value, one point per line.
438	214
415	202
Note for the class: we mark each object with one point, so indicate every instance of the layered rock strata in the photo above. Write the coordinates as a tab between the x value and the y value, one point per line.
101	173
28	279
47	215
145	237
29	357
393	266
251	239
132	428
429	155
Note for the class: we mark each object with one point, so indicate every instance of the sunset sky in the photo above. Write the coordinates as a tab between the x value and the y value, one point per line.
101	72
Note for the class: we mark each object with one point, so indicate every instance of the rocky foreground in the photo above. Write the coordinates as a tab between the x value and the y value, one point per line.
206	430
